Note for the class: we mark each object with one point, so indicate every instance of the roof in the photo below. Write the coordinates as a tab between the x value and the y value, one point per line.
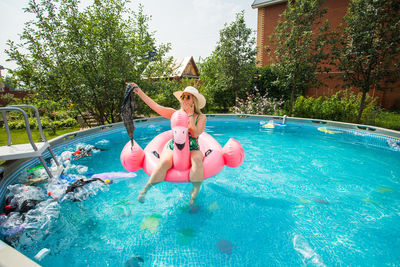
263	3
180	65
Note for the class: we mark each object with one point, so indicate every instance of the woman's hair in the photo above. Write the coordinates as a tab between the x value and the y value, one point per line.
196	106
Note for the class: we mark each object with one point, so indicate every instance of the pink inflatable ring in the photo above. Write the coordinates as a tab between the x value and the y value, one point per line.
215	157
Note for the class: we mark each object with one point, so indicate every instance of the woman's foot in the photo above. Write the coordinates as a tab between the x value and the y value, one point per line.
141	197
191	201
194	192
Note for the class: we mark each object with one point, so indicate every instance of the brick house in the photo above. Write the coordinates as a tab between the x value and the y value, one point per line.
7	89
267	19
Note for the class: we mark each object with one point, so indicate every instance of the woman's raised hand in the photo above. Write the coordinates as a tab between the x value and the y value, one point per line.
136	87
188	107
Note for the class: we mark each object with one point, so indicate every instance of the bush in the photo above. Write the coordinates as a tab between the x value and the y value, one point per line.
9	99
342	106
70	122
380	118
258	104
16	124
46	123
54	114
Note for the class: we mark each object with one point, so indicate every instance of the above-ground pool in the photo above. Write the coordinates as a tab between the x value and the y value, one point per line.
306	194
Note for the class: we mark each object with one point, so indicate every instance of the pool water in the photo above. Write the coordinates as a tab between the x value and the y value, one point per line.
301	197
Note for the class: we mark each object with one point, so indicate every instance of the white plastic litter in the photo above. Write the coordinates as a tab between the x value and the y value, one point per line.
43	215
35	208
102	142
310	257
42	253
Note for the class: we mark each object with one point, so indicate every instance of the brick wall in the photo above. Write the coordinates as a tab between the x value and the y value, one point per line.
336	9
17	94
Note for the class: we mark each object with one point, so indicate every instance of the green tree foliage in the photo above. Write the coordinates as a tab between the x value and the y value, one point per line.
227	73
265	83
84	57
161	90
367	50
298	46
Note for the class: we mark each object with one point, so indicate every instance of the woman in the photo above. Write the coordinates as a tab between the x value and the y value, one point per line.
191	102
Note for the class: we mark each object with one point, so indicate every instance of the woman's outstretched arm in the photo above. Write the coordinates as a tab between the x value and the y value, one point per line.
161	110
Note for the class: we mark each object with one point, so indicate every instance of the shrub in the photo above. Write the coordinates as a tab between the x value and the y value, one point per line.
380	118
9	99
54	114
16	124
46	123
342	106
33	123
69	122
258	104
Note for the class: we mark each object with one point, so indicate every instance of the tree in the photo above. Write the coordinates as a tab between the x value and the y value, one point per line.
299	42
84	57
368	47
228	71
264	82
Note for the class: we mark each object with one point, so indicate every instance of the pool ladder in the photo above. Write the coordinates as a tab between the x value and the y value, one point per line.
284	119
12	152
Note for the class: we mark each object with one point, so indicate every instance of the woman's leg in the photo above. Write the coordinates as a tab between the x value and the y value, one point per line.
196	174
158	174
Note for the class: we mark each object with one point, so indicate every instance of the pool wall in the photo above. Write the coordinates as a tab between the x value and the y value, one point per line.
14	170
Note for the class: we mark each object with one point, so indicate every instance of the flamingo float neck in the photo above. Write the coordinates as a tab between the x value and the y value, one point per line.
180	132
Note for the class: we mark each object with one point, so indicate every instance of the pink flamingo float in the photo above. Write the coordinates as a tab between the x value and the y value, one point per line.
134	158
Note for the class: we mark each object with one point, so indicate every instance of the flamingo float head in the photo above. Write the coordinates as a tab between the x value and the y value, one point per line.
179	126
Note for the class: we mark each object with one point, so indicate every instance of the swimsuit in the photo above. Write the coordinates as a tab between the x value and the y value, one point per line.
193	142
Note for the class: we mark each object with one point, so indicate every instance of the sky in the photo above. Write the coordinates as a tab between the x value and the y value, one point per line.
191	27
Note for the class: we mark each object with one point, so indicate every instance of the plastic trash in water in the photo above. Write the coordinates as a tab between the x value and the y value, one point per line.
309	256
41	254
134	262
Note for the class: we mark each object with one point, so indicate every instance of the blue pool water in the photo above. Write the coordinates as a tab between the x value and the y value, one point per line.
301	197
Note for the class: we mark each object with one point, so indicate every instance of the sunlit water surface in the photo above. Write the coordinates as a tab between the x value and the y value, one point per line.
302	196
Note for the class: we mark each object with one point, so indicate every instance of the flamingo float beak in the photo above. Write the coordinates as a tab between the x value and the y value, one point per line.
180	135
180	146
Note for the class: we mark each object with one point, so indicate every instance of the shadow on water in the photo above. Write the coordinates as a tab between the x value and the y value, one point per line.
226	227
247	197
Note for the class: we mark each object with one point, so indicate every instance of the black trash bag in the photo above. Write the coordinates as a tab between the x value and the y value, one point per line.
81	182
128	109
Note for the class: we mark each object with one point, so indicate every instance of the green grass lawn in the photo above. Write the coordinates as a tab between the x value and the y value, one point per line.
21	137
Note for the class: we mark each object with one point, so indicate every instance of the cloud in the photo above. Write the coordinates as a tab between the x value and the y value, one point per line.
215	13
191	26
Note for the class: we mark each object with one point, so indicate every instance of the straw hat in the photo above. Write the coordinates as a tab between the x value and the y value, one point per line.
191	90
